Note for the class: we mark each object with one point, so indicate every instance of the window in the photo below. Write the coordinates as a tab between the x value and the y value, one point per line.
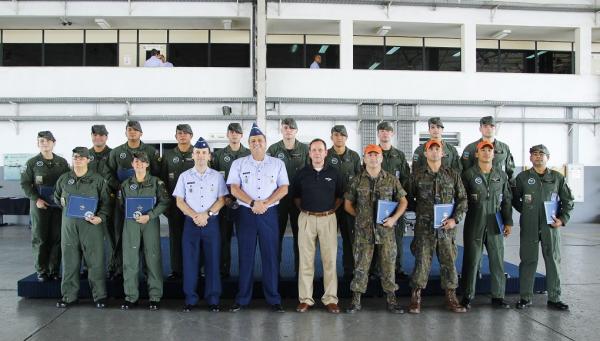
517	61
403	58
487	60
285	55
22	54
230	55
63	54
188	55
330	55
368	57
555	62
101	54
442	59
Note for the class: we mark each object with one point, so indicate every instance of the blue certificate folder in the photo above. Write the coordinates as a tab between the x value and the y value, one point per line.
500	222
135	206
124	174
385	208
81	207
551	208
47	194
441	212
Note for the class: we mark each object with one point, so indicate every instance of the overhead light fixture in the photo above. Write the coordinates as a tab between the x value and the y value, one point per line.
294	48
457	54
393	50
323	49
102	23
383	30
501	34
531	56
374	66
227	24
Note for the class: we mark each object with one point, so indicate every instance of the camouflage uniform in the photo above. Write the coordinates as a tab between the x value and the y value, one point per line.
427	188
364	192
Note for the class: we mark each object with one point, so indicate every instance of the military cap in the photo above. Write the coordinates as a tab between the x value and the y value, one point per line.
81	151
482	144
340	128
235	127
46	134
431	143
290	122
372	148
99	129
185	128
487	120
201	143
142	156
255	130
385	125
135	125
539	148
435	121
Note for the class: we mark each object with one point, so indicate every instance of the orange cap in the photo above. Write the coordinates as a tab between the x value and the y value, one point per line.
431	143
373	148
485	144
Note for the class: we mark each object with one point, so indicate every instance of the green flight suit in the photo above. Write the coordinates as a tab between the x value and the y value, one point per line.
488	194
148	235
119	161
394	162
529	195
45	223
221	162
427	188
294	159
174	162
503	159
450	158
349	166
80	237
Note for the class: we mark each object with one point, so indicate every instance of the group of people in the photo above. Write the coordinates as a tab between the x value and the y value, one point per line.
205	194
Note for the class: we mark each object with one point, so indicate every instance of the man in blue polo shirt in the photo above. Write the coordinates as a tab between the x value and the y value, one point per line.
258	181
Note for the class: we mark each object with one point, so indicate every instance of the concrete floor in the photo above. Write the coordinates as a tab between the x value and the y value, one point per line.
38	319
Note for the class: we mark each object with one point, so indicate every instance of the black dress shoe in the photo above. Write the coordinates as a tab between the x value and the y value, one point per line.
55	277
126	305
154	305
353	309
522	304
466	302
64	304
42	278
395	309
237	307
500	303
215	308
101	303
174	275
277	308
558	305
187	308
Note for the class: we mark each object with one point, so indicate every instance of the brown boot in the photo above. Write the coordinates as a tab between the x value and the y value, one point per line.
452	302
415	302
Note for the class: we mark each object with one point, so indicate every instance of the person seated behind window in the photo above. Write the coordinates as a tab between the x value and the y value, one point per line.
154	60
164	62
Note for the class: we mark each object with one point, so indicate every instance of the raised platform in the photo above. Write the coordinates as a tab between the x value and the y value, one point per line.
29	286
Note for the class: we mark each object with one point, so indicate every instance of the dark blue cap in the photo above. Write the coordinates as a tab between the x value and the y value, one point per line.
201	143
255	130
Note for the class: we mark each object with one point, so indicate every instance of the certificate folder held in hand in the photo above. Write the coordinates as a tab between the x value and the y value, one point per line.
385	208
551	208
47	194
440	213
81	207
500	222
138	206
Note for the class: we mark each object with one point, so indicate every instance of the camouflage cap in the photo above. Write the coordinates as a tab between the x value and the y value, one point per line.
185	128
487	120
290	122
235	127
142	156
385	125
435	121
340	128
81	151
539	148
46	134
99	129
134	125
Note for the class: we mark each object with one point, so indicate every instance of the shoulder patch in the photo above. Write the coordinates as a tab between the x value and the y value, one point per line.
466	155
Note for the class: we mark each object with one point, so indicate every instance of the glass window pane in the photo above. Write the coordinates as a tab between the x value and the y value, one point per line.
368	57
442	59
403	58
188	55
330	55
555	62
63	55
487	60
285	56
519	61
22	54
230	55
101	54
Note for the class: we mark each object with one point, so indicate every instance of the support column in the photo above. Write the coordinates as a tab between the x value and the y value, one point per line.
583	50
346	44
468	48
260	62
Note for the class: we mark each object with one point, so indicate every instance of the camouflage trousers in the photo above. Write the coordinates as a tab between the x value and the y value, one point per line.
422	247
363	255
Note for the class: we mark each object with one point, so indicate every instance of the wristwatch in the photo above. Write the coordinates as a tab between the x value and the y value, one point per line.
252	203
211	213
